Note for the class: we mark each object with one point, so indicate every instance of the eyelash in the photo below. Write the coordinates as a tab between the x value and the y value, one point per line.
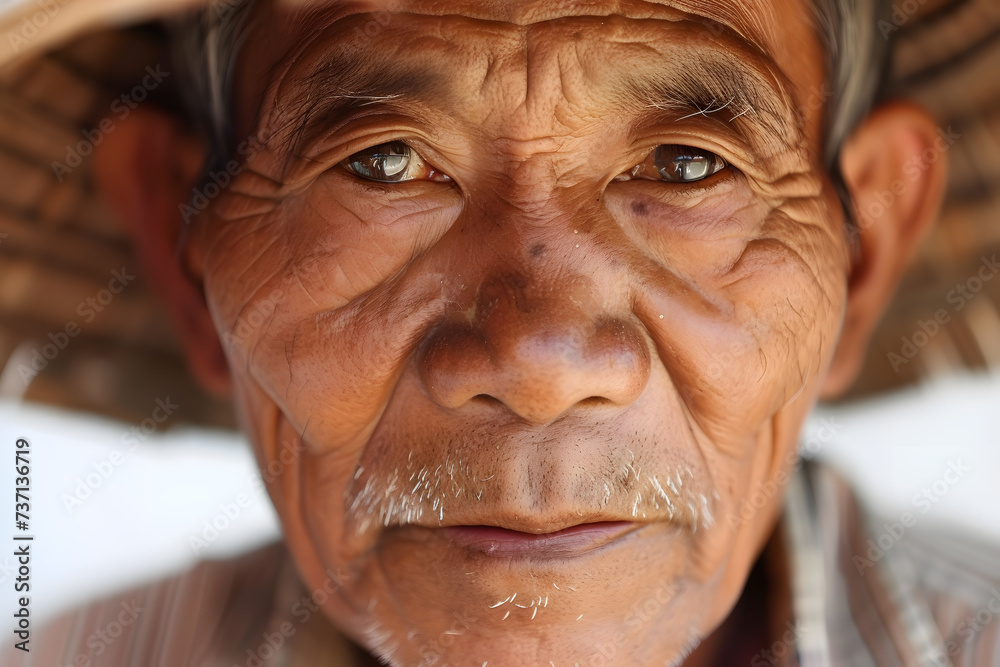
393	160
389	168
681	157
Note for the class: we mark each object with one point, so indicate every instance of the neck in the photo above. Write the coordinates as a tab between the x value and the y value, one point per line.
755	630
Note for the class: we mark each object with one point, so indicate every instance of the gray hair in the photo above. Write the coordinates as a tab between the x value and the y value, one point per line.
857	66
857	63
207	43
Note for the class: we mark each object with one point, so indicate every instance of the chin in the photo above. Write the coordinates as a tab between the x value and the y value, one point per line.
593	594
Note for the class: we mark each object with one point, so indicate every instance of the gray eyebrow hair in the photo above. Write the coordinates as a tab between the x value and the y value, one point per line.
343	83
720	87
740	86
721	91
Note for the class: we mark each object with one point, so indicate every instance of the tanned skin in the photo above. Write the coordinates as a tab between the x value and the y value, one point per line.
528	332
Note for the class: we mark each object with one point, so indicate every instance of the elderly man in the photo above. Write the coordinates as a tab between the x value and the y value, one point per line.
518	301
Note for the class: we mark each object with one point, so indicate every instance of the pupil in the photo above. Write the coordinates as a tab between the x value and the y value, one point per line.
393	159
683	163
693	168
382	163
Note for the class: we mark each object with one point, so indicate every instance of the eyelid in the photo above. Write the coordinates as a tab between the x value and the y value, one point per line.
374	125
724	186
649	169
731	141
414	161
741	142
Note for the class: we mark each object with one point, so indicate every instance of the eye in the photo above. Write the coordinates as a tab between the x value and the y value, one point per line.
392	162
676	164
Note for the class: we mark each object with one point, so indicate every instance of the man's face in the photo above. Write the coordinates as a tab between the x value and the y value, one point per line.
521	299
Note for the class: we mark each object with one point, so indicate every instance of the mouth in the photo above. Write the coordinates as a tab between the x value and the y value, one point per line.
505	543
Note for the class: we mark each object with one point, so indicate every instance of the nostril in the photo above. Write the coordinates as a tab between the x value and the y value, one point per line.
591	402
487	402
595	402
537	365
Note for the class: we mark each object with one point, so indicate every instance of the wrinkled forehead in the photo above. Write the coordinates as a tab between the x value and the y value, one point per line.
755	20
777	35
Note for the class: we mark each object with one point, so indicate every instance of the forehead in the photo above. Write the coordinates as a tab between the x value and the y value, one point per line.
464	37
755	20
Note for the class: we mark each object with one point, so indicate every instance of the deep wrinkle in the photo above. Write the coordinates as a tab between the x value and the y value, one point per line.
316	104
581	385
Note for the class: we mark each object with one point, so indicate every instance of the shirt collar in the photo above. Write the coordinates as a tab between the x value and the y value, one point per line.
846	611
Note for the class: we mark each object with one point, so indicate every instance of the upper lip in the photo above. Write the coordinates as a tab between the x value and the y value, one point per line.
543	521
540	526
382	495
580	538
528	525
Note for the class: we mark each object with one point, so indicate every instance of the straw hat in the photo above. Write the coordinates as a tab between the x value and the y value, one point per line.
66	336
67	339
947	58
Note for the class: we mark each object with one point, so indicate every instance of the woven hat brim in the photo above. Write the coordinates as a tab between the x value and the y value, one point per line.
32	27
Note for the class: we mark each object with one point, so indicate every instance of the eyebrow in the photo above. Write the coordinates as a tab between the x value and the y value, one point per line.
725	86
741	83
342	85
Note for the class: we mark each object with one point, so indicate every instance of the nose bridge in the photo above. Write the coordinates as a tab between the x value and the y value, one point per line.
550	323
548	261
544	331
537	301
540	139
540	180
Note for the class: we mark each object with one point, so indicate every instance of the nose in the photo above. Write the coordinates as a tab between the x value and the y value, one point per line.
536	347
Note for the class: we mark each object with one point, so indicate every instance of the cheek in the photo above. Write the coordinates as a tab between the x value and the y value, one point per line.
308	258
349	237
329	243
745	304
697	234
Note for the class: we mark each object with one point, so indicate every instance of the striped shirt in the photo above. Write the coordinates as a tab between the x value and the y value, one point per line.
865	592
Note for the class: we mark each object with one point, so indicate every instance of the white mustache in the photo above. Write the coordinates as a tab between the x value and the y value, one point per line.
426	494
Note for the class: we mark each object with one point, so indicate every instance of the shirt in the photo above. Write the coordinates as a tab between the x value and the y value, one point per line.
865	592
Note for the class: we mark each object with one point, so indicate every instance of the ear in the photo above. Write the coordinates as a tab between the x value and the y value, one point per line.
145	170
895	168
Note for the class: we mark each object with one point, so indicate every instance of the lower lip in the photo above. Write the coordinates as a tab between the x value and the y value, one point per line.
501	542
